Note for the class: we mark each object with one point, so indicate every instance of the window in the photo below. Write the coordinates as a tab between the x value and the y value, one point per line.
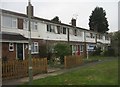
58	29
61	30
25	24
14	23
99	36
20	23
34	25
71	31
81	48
64	30
106	38
79	33
11	47
75	32
50	28
9	22
34	48
91	35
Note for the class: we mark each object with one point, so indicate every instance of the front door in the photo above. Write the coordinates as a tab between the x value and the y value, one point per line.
20	51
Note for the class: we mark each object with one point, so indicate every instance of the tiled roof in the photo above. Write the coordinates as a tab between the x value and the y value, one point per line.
12	37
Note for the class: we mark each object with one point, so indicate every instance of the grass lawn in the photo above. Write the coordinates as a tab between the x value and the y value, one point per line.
105	73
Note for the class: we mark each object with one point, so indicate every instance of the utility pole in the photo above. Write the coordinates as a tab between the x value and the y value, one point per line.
30	57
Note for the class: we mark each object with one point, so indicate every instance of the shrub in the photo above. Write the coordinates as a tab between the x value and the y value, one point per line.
62	50
43	51
97	51
109	52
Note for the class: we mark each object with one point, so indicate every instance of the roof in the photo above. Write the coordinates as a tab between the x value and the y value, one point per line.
42	19
12	37
38	18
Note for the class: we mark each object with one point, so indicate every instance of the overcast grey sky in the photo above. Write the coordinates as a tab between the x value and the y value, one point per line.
67	9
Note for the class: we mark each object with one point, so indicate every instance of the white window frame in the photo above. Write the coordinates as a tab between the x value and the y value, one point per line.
50	28
36	25
14	20
25	24
11	45
5	20
65	30
81	48
11	20
33	46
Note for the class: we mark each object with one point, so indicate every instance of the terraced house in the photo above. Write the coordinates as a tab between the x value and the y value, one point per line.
15	35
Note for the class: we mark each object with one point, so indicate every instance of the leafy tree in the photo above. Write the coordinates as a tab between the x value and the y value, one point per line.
56	19
115	42
97	21
62	50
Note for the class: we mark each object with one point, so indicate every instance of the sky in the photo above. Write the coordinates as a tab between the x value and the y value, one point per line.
67	9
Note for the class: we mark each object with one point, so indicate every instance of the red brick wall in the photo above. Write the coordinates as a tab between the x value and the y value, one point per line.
10	55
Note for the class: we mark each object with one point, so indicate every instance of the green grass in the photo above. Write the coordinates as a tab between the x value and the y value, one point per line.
105	73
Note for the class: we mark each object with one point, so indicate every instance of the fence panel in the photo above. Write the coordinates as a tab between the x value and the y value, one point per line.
17	69
72	61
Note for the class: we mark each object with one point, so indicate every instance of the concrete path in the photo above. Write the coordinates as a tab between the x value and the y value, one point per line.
51	72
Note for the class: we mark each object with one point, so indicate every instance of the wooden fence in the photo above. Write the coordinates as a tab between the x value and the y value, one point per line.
72	61
17	69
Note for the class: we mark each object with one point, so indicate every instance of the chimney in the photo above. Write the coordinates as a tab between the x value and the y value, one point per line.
73	22
31	8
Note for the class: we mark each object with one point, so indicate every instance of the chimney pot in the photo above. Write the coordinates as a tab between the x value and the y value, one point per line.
73	22
32	9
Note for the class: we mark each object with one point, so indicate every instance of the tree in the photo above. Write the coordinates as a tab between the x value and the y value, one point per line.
62	50
56	19
97	21
115	42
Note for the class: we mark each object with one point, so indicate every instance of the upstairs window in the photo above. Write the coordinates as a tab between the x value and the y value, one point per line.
64	30
99	36
75	32
34	25
71	31
79	33
14	22
50	28
58	29
8	21
20	23
25	24
106	38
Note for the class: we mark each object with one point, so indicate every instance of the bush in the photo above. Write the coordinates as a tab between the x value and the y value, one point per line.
62	50
43	51
97	51
109	52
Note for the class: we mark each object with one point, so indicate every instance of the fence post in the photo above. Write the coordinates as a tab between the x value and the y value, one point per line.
65	66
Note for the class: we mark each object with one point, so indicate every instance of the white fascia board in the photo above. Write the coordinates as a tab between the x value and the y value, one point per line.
14	41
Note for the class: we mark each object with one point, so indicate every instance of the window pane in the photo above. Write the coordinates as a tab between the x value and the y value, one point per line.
48	27
14	22
25	24
64	30
58	29
7	21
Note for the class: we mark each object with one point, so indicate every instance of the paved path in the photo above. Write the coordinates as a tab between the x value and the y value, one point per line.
51	72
